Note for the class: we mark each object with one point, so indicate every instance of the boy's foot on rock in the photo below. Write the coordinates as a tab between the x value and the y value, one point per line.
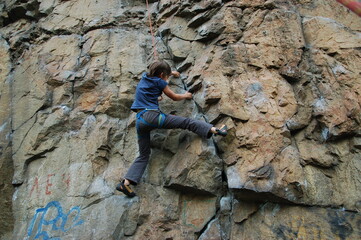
125	189
222	131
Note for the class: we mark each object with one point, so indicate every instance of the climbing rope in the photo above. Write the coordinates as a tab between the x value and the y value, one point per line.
151	32
354	6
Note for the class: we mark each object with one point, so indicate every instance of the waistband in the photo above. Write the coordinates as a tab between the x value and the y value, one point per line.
146	109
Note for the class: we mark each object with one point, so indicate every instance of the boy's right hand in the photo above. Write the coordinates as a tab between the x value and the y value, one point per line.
175	74
188	95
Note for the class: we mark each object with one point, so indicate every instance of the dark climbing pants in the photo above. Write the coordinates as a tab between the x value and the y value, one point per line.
150	120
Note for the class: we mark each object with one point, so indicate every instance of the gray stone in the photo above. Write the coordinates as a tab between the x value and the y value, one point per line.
180	48
243	210
357	142
226	207
288	222
6	162
210	29
194	169
213	231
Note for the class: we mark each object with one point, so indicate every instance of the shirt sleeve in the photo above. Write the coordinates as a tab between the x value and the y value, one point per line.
162	84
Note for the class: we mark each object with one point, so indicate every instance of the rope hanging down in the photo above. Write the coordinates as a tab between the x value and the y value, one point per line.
354	6
151	32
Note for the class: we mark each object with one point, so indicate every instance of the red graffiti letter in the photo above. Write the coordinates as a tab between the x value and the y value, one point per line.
48	184
35	185
66	179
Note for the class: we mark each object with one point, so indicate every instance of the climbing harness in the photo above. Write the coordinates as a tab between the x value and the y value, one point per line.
354	6
151	32
161	120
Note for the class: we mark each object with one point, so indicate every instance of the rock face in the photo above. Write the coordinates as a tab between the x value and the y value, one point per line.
6	164
283	75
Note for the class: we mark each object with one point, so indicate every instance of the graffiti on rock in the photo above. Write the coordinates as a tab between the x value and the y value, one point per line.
48	184
52	221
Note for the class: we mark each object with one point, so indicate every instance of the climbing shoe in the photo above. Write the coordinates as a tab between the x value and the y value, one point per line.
222	131
125	189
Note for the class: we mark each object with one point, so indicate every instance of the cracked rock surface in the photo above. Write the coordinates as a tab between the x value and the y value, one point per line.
283	75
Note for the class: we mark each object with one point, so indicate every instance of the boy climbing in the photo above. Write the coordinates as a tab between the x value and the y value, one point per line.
149	117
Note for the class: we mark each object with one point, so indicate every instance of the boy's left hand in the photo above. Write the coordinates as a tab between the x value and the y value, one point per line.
175	74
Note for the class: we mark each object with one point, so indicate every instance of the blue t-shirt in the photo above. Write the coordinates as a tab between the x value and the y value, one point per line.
148	91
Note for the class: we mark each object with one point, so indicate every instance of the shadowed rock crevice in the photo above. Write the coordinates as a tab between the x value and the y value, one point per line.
21	10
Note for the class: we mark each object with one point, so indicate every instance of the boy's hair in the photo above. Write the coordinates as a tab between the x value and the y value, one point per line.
158	67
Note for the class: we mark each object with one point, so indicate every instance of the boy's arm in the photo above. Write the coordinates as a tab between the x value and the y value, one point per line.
176	97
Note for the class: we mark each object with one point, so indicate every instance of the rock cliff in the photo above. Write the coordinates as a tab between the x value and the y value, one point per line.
285	76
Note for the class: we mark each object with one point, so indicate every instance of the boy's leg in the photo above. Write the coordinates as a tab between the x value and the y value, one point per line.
139	165
136	170
201	128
